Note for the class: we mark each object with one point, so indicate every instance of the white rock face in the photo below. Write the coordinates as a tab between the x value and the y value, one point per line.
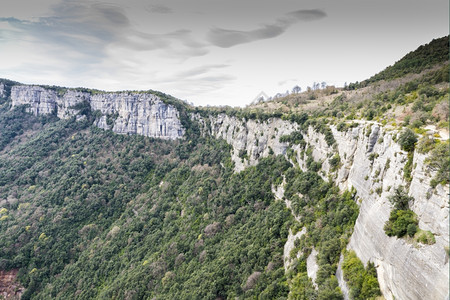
2	90
341	281
69	99
312	267
124	113
404	271
142	114
374	167
254	138
41	101
290	244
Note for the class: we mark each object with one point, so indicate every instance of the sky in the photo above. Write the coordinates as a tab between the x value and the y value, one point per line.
210	52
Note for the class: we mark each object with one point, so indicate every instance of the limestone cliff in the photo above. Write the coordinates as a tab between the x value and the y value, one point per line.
371	162
250	139
2	90
125	113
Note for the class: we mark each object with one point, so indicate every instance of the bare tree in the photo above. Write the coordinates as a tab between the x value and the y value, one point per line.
296	89
324	84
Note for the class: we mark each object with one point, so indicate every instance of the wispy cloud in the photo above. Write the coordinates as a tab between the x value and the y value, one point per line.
283	82
195	81
199	70
226	38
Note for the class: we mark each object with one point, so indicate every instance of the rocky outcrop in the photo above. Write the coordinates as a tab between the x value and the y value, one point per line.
2	90
312	267
251	139
405	270
70	99
289	246
341	281
40	101
372	163
137	113
125	113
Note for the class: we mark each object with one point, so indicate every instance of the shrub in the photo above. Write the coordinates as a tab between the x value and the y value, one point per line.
342	126
411	229
334	161
400	199
243	154
425	237
426	144
439	162
407	170
363	282
294	138
398	223
407	140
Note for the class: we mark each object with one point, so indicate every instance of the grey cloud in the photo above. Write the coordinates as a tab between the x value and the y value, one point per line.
177	44
307	14
78	26
89	28
218	78
226	38
159	9
199	85
199	70
201	79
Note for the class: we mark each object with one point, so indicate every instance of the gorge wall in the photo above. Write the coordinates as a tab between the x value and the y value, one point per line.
371	162
125	112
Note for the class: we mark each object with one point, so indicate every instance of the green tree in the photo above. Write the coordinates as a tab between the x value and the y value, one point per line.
407	140
400	199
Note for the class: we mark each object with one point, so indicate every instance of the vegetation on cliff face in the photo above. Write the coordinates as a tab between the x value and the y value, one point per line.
329	218
403	221
362	280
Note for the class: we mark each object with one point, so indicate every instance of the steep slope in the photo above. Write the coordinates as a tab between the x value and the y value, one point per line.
426	56
91	214
374	165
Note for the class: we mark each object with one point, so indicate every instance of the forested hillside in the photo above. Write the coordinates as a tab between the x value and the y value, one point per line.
89	213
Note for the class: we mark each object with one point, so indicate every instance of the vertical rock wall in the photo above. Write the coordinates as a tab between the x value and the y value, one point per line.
371	162
2	90
125	113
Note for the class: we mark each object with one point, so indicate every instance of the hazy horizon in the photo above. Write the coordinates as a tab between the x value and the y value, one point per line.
209	52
